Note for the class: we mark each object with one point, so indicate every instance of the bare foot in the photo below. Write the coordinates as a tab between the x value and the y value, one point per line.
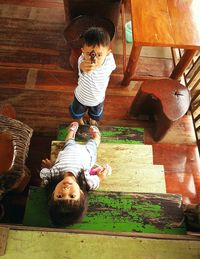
73	127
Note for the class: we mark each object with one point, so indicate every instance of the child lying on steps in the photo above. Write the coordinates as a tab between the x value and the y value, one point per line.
70	179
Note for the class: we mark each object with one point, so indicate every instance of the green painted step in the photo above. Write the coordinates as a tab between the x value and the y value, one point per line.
109	134
116	212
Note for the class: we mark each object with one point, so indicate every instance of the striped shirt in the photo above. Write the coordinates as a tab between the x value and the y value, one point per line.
74	158
92	86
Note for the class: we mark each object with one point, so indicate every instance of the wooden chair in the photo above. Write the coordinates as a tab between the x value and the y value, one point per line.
14	142
165	100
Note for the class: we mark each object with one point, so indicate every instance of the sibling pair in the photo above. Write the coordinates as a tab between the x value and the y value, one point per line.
73	173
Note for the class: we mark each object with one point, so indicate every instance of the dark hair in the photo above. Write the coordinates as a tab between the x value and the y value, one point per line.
96	36
68	212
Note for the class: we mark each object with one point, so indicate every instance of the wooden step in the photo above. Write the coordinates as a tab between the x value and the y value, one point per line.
121	213
134	177
132	167
116	153
109	134
125	153
64	245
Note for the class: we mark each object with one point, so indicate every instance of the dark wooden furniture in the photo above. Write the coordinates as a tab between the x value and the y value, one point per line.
16	136
166	23
109	9
165	100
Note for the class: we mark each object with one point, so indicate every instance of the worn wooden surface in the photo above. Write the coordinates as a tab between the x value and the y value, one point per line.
132	168
3	239
23	244
116	212
109	134
168	29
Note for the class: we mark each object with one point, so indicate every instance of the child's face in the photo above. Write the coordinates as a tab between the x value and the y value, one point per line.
67	189
100	51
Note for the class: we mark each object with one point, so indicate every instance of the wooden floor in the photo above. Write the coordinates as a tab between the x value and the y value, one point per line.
35	77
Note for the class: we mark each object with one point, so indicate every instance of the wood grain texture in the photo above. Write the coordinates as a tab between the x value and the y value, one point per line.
24	243
117	212
132	170
3	239
181	163
162	23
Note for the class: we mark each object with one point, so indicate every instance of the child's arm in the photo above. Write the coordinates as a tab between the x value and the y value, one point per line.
102	174
46	163
45	173
97	175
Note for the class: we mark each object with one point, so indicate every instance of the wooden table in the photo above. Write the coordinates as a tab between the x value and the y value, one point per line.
164	23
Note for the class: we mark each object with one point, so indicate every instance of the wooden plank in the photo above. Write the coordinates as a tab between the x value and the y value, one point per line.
48	117
56	78
150	179
25	244
35	3
116	212
3	239
131	169
12	77
148	66
39	13
28	34
183	128
115	153
181	164
30	58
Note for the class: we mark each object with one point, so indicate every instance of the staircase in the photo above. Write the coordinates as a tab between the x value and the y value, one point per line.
132	165
133	198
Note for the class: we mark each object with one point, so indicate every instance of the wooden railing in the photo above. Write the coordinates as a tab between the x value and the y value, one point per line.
191	79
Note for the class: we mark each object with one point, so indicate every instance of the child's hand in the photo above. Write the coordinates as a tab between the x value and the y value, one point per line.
46	163
102	174
106	170
86	66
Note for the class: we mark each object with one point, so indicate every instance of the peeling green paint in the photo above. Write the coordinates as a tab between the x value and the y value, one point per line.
109	134
117	212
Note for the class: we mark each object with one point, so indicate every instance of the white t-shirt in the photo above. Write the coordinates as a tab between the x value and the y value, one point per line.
92	86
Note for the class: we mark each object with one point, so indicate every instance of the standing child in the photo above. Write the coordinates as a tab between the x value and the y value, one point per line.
95	66
70	179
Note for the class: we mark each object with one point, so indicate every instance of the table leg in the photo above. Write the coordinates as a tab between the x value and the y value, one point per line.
182	64
132	64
